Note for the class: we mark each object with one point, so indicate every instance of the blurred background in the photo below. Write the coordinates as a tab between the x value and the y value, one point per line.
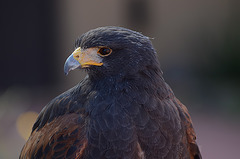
198	45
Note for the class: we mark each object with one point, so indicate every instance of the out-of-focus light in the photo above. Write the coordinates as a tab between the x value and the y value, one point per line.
25	122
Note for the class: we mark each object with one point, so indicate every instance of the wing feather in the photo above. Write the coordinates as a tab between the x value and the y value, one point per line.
190	133
63	137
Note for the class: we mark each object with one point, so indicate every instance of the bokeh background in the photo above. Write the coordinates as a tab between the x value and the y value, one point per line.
198	45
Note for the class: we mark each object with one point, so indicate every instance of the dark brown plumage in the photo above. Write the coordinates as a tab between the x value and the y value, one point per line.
122	109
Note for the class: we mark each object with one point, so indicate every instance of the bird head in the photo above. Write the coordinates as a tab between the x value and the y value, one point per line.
111	50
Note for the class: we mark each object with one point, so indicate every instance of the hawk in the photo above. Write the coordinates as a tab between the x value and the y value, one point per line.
122	109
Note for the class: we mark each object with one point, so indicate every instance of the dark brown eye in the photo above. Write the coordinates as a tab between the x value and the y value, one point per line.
104	51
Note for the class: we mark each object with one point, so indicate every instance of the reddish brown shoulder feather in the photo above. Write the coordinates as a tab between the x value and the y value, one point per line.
63	137
191	135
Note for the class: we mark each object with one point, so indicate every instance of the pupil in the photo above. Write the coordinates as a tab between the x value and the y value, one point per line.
105	51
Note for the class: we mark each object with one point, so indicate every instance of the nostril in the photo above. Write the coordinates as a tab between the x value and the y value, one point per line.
77	56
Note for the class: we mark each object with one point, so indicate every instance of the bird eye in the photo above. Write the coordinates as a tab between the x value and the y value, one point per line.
105	51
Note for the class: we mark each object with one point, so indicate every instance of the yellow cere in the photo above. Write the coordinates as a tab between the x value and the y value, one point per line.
87	57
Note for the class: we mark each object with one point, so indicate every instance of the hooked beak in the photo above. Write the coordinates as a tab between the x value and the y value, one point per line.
70	64
82	58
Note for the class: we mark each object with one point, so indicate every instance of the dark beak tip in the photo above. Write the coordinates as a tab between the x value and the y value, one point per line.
66	69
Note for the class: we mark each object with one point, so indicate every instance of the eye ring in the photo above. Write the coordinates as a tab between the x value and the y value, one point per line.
104	51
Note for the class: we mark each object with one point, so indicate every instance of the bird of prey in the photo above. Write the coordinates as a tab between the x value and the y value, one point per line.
122	109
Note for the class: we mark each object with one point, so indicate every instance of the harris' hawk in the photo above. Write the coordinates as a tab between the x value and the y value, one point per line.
122	109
